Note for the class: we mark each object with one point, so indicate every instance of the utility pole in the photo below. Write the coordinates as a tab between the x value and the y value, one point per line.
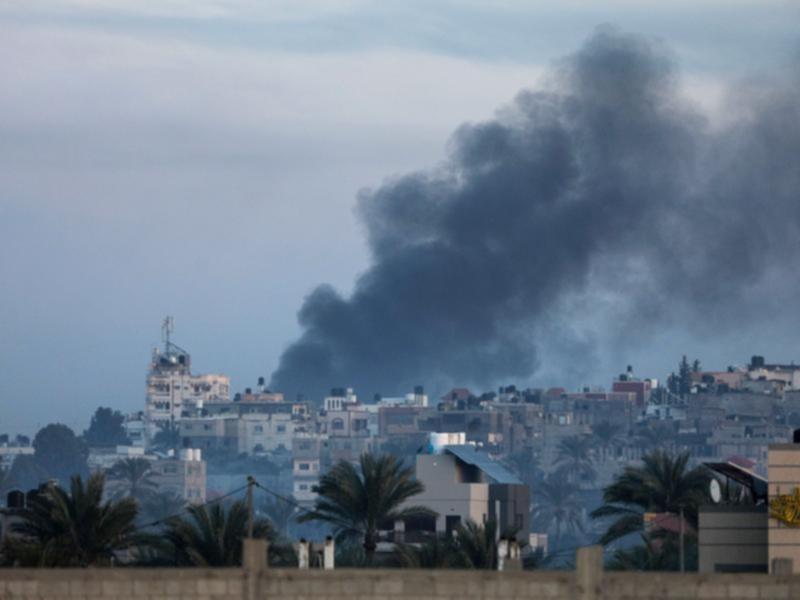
250	483
683	558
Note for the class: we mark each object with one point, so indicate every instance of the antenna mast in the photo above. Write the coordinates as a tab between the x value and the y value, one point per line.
166	329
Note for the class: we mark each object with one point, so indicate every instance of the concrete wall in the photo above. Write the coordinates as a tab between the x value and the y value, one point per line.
364	584
254	582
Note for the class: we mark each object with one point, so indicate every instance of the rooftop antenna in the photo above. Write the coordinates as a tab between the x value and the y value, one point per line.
166	329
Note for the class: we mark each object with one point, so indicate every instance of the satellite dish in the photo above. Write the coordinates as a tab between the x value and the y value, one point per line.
715	491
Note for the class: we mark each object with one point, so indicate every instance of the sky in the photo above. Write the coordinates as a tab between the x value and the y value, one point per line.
203	160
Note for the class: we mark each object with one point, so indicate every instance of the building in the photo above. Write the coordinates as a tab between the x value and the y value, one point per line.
212	434
340	399
462	483
183	475
757	535
733	536
310	454
173	391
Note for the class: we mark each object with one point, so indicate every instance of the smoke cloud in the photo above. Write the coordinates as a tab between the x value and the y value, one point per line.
605	194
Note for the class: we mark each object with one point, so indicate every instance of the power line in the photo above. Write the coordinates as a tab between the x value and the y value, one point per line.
187	507
292	502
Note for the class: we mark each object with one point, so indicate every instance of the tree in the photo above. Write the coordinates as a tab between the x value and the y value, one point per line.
210	536
358	501
684	377
606	434
574	457
72	528
473	546
25	474
60	452
661	553
439	552
556	504
280	512
525	464
167	438
477	544
106	429
132	477
663	484
158	506
696	368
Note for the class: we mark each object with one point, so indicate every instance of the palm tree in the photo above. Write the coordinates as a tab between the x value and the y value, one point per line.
556	503
74	528
663	484
167	438
210	536
606	434
655	554
357	501
158	506
281	513
525	464
132	477
574	457
478	544
439	552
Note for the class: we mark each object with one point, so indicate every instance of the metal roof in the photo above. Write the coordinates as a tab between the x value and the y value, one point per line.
752	481
471	455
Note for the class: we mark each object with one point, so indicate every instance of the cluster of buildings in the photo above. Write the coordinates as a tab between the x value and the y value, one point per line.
733	413
459	441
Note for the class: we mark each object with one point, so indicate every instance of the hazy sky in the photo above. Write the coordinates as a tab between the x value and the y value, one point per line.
202	159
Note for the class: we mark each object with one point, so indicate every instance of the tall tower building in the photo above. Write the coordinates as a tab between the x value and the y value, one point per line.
172	390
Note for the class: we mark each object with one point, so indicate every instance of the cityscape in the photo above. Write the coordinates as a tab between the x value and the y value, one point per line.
352	300
551	470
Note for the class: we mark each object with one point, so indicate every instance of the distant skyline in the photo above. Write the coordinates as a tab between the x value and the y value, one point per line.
202	160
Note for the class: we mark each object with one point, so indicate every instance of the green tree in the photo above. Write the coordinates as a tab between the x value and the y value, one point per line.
158	506
167	438
477	544
357	501
280	512
684	377
575	458
556	506
663	484
73	528
656	553
132	477
25	474
60	452
105	429
439	552
606	434
210	536
526	465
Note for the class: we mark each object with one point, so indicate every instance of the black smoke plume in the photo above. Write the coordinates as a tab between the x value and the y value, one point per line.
604	195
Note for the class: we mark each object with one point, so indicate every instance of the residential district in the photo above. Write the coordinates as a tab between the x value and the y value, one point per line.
549	465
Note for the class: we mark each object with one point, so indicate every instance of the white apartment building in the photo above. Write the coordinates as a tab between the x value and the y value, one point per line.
172	391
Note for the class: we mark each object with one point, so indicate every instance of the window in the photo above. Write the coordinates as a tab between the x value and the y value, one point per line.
259	429
337	424
281	428
303	486
304	467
